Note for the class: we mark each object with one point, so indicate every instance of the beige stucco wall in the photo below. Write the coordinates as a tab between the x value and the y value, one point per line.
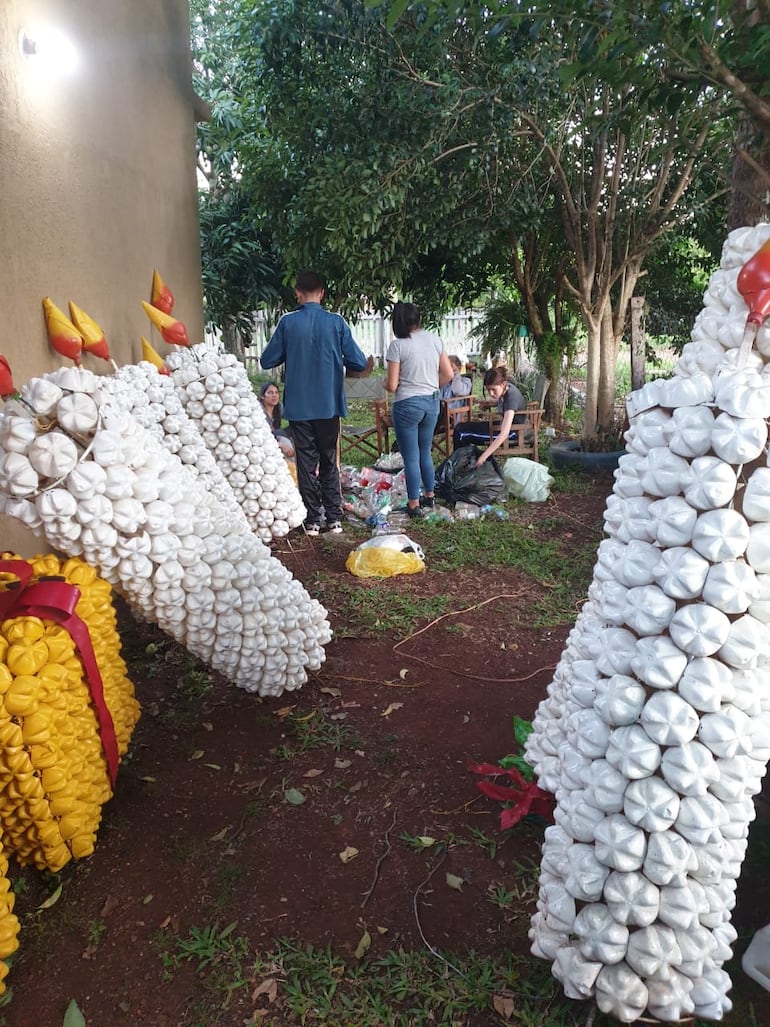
97	176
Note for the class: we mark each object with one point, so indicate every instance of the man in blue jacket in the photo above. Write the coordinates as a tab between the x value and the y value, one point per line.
317	348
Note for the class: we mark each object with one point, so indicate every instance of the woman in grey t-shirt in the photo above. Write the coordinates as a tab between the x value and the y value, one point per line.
417	366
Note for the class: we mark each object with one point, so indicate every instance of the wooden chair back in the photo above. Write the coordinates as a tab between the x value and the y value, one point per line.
525	433
371	439
451	412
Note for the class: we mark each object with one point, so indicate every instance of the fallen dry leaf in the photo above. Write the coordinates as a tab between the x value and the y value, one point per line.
392	707
52	899
455	882
109	907
342	764
348	853
312	773
219	836
504	1006
403	672
268	987
285	711
197	754
363	946
335	693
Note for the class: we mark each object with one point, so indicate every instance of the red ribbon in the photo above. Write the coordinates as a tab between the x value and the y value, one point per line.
55	600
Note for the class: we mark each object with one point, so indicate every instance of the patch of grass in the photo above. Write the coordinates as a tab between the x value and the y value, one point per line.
410	989
313	987
485	841
499	896
385	755
185	849
227	875
222	961
367	611
418	842
563	569
315	730
569	481
96	929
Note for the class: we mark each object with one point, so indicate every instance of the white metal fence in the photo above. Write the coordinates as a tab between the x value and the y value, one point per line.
373	333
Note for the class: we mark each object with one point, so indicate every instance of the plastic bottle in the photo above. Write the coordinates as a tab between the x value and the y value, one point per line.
756	958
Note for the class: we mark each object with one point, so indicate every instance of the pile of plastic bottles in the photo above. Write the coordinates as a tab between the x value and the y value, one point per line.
373	496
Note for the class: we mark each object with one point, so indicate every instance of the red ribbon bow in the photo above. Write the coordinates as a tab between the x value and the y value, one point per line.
55	600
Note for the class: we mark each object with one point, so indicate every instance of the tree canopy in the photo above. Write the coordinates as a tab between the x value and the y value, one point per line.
419	149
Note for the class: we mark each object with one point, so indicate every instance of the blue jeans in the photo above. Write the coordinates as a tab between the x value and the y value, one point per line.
414	421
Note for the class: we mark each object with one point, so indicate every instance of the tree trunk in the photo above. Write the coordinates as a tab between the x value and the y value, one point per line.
233	342
750	186
608	358
593	370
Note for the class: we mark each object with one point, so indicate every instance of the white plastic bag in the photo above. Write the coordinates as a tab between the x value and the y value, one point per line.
526	479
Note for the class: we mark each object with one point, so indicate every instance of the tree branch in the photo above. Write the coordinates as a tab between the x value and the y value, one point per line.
758	108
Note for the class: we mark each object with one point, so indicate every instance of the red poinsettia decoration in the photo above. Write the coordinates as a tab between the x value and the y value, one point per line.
524	796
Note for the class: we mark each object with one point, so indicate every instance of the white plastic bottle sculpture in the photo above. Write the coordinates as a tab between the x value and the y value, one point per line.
217	396
639	873
109	491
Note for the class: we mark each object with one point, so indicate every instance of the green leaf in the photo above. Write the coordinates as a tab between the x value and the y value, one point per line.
363	945
52	899
73	1017
521	729
294	796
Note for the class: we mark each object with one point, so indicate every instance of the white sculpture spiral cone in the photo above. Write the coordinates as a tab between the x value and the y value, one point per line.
660	688
151	528
218	397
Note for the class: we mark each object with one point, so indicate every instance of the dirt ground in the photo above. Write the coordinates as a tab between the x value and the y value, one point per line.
202	829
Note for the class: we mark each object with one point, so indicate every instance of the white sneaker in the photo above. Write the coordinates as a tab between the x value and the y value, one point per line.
335	528
312	530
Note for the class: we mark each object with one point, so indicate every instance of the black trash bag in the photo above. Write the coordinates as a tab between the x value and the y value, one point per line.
459	480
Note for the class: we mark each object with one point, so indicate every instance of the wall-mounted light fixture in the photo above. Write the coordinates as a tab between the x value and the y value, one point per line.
27	45
50	48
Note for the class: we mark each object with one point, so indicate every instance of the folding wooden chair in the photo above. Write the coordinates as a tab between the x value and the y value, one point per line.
370	440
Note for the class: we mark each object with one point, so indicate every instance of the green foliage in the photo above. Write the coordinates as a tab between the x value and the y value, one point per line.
677	276
241	270
367	609
555	564
497	331
420	151
411	989
315	730
521	731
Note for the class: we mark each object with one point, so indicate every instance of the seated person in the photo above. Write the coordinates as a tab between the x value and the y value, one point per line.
270	398
459	385
508	399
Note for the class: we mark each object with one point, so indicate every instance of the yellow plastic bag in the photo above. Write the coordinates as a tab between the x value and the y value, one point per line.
385	556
